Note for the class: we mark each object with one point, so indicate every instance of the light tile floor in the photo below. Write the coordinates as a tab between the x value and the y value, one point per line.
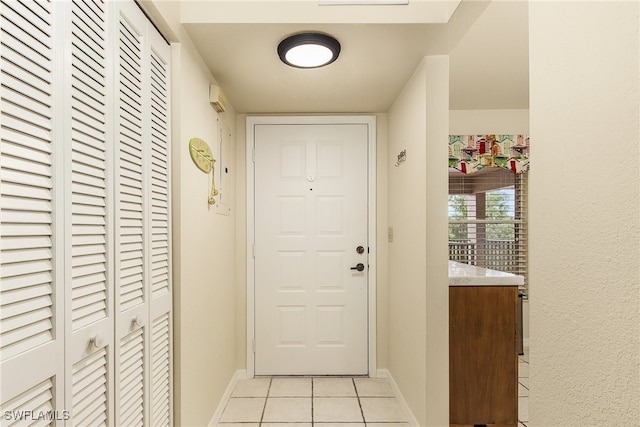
306	402
331	402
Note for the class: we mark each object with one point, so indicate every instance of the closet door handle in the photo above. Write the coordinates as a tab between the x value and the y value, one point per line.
96	341
137	321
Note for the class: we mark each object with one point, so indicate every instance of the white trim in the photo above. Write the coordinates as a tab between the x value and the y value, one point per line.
384	373
370	121
240	374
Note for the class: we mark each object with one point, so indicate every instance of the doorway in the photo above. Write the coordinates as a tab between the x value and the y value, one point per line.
311	245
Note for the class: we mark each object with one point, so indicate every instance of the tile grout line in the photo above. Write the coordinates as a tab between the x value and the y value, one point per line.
353	381
264	408
312	396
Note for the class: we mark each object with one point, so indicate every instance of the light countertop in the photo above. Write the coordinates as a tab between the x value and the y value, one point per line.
469	275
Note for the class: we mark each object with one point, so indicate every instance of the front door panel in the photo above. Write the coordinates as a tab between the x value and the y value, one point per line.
310	217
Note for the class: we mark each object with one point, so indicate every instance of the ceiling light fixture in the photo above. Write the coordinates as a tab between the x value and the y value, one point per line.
309	50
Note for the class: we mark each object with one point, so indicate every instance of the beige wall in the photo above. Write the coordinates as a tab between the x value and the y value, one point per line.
418	283
382	261
584	214
204	253
471	122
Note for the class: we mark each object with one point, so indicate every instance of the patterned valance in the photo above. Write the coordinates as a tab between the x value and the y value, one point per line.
471	153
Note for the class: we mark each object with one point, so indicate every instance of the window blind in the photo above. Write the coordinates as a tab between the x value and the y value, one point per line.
488	220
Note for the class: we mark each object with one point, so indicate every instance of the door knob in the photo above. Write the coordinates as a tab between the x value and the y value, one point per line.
96	341
359	267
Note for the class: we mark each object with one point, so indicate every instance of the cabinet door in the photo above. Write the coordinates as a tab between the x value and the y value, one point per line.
31	277
483	361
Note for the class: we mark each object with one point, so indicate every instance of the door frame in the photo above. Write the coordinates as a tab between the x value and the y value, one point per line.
370	121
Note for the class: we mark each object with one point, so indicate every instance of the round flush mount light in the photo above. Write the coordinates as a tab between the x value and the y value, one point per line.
308	50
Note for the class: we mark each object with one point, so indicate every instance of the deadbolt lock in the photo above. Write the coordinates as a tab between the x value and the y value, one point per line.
360	249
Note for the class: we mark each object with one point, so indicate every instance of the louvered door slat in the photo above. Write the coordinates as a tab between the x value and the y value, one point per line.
159	176
89	284
33	317
84	40
23	126
14	98
24	268
130	89
158	156
24	76
17	64
89	195
89	107
34	37
40	13
26	216
83	130
37	399
160	372
22	179
81	20
24	242
41	160
17	218
35	328
17	92
89	389
93	211
132	379
94	10
131	166
25	280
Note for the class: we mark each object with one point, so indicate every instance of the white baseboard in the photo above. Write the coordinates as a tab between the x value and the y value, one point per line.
240	374
384	373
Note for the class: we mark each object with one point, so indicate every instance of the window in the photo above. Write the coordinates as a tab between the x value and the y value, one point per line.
488	220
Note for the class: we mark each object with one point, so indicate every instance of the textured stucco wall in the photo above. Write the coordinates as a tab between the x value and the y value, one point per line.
584	214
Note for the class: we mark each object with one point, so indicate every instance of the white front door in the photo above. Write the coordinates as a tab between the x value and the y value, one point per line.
311	249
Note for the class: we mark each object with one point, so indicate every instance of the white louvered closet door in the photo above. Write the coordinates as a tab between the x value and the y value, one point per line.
143	297
31	280
85	291
161	372
131	177
89	267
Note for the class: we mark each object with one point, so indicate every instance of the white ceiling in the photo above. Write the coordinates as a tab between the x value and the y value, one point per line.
381	47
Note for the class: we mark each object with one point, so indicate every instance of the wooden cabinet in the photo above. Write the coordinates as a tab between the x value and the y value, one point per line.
483	360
